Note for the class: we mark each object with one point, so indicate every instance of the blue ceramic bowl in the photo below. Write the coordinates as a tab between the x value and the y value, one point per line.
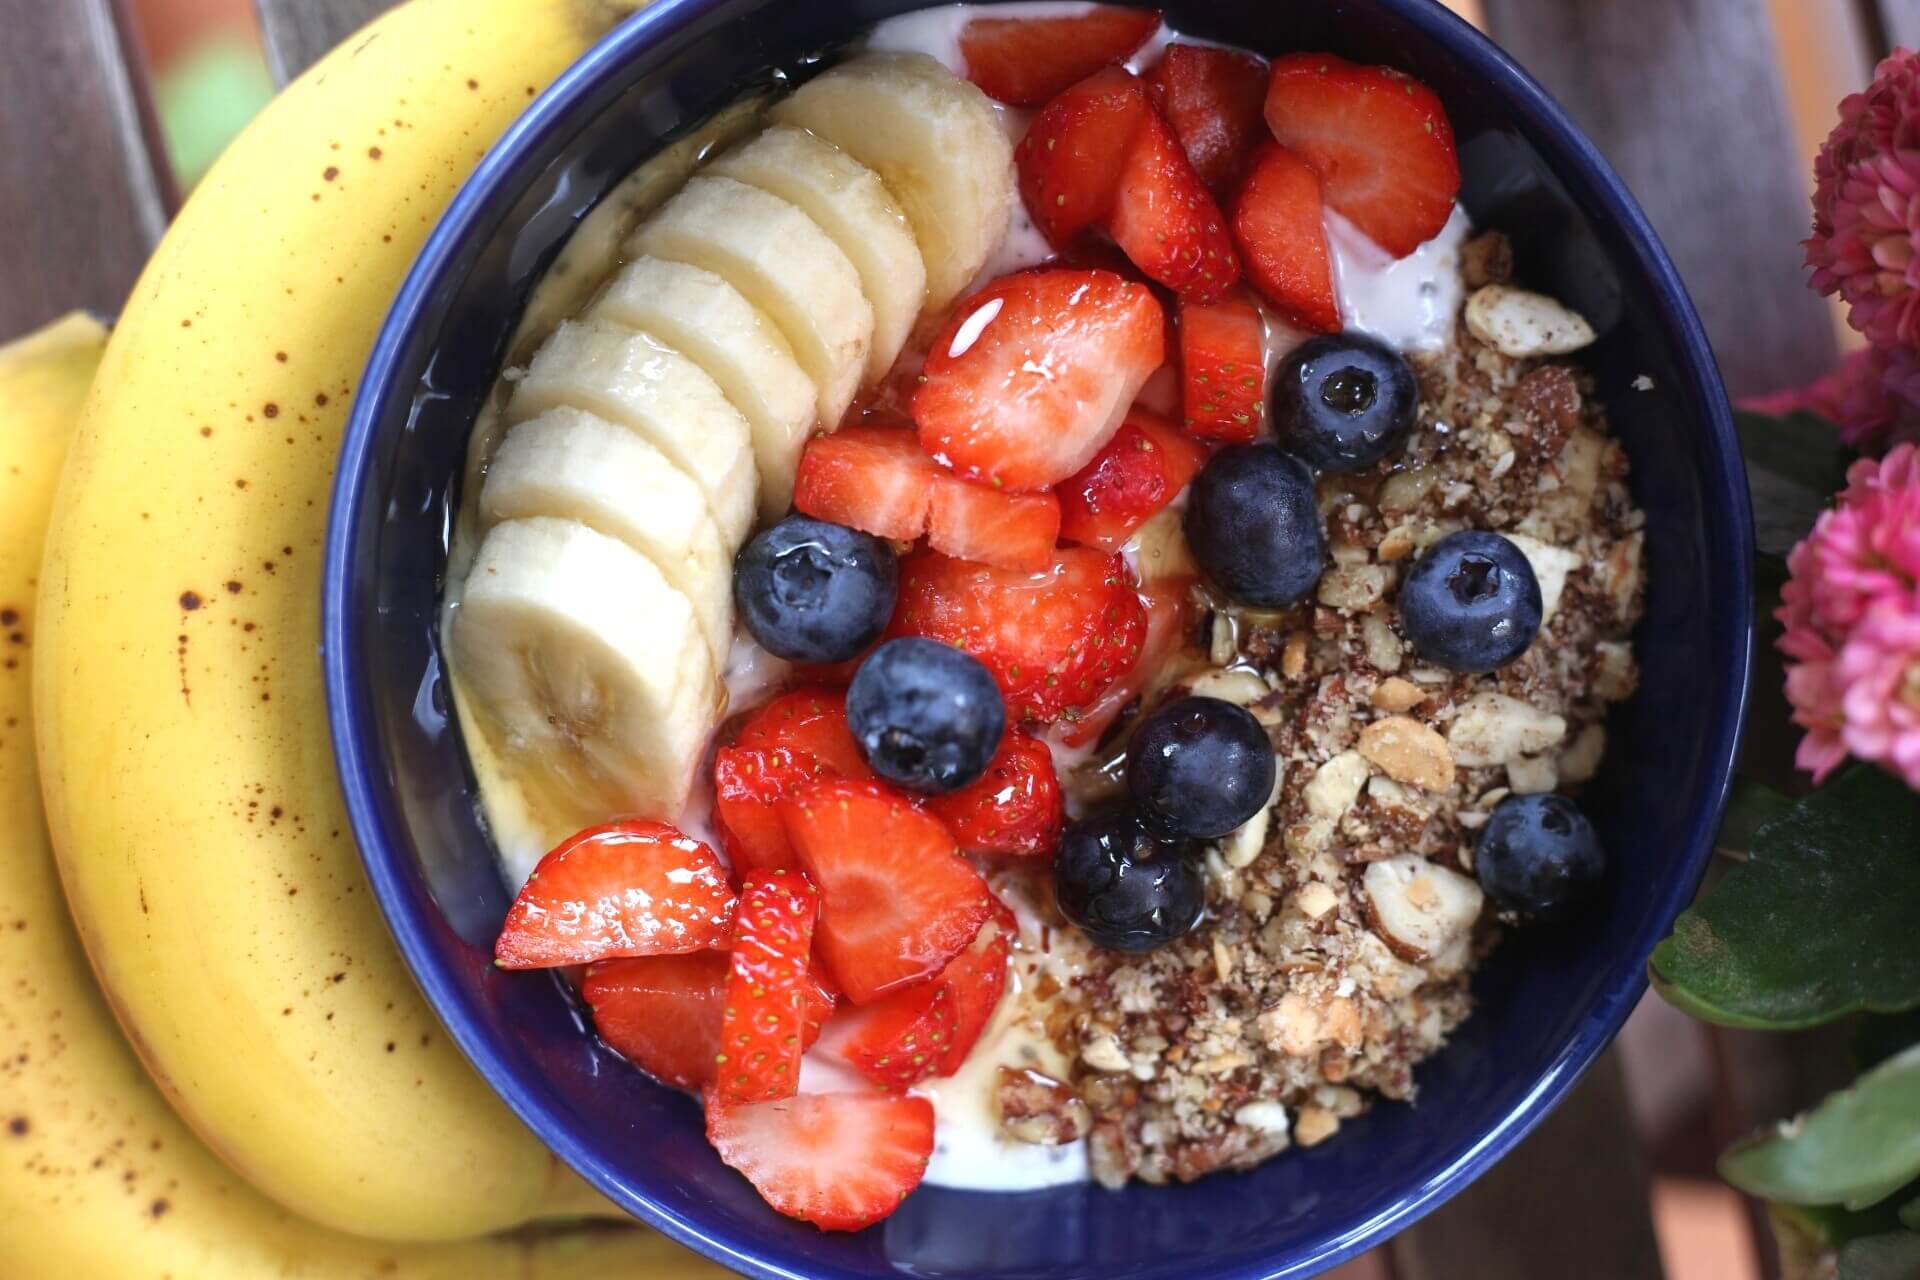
1548	1003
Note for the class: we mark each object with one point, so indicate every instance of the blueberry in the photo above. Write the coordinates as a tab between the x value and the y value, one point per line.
1124	887
1344	401
1199	768
1471	603
810	591
1538	857
1253	522
926	715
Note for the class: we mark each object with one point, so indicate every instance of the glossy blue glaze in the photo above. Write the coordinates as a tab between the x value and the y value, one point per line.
1548	1003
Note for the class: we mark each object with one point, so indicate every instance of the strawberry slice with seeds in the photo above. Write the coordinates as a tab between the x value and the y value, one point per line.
1223	367
978	522
633	888
811	721
1053	639
928	1030
1280	224
977	978
662	1013
797	739
1166	220
1214	100
1035	372
1070	160
1015	807
873	478
1143	468
764	1016
897	900
842	1161
1171	614
1025	61
1379	139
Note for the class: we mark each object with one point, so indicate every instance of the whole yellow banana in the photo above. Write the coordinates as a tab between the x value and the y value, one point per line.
191	793
98	1178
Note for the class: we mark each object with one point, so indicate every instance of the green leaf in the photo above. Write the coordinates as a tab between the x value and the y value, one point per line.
1888	1257
1856	1148
1910	1214
1795	465
1825	1227
1750	806
1819	921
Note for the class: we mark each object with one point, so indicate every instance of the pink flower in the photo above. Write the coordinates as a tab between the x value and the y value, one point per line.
1879	674
1873	397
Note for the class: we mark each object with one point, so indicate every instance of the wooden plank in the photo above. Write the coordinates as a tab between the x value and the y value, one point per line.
298	32
83	191
1686	98
1570	1202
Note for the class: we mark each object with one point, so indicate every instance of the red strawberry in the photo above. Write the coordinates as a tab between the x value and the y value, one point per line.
977	978
1170	615
1052	639
876	479
1015	807
841	1161
1223	364
1213	99
810	721
929	1029
662	1013
1025	61
765	1014
634	888
798	738
1143	468
897	900
1034	373
978	522
1380	140
1280	225
1071	157
1168	222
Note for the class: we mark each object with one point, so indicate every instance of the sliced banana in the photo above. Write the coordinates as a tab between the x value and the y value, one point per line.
785	265
852	205
573	466
589	667
934	140
700	314
638	382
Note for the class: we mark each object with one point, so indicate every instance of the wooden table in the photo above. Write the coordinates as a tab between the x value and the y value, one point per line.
1685	96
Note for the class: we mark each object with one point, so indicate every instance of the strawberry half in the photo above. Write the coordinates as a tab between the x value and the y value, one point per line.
1280	224
977	978
1025	61
1170	618
1213	98
1070	160
763	1019
797	739
876	479
1015	807
1035	372
1223	368
1053	639
842	1161
1166	220
977	522
897	900
1379	139
661	1013
1143	468
928	1030
633	888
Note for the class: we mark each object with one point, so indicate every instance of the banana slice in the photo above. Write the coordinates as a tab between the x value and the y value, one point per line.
785	265
696	312
573	466
934	140
590	669
853	206
638	382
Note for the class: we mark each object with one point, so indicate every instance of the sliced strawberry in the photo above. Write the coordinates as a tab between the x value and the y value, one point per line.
1071	158
1379	139
873	478
766	1011
1213	98
897	900
1223	366
1034	373
1025	61
928	1029
1280	224
1143	468
1170	617
1168	222
1053	639
822	1002
812	721
979	522
634	888
662	1013
841	1161
1015	807
797	739
977	978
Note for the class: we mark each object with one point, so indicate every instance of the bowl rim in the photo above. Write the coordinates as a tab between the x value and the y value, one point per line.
1537	116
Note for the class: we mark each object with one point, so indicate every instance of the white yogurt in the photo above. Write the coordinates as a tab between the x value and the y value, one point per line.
1409	303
